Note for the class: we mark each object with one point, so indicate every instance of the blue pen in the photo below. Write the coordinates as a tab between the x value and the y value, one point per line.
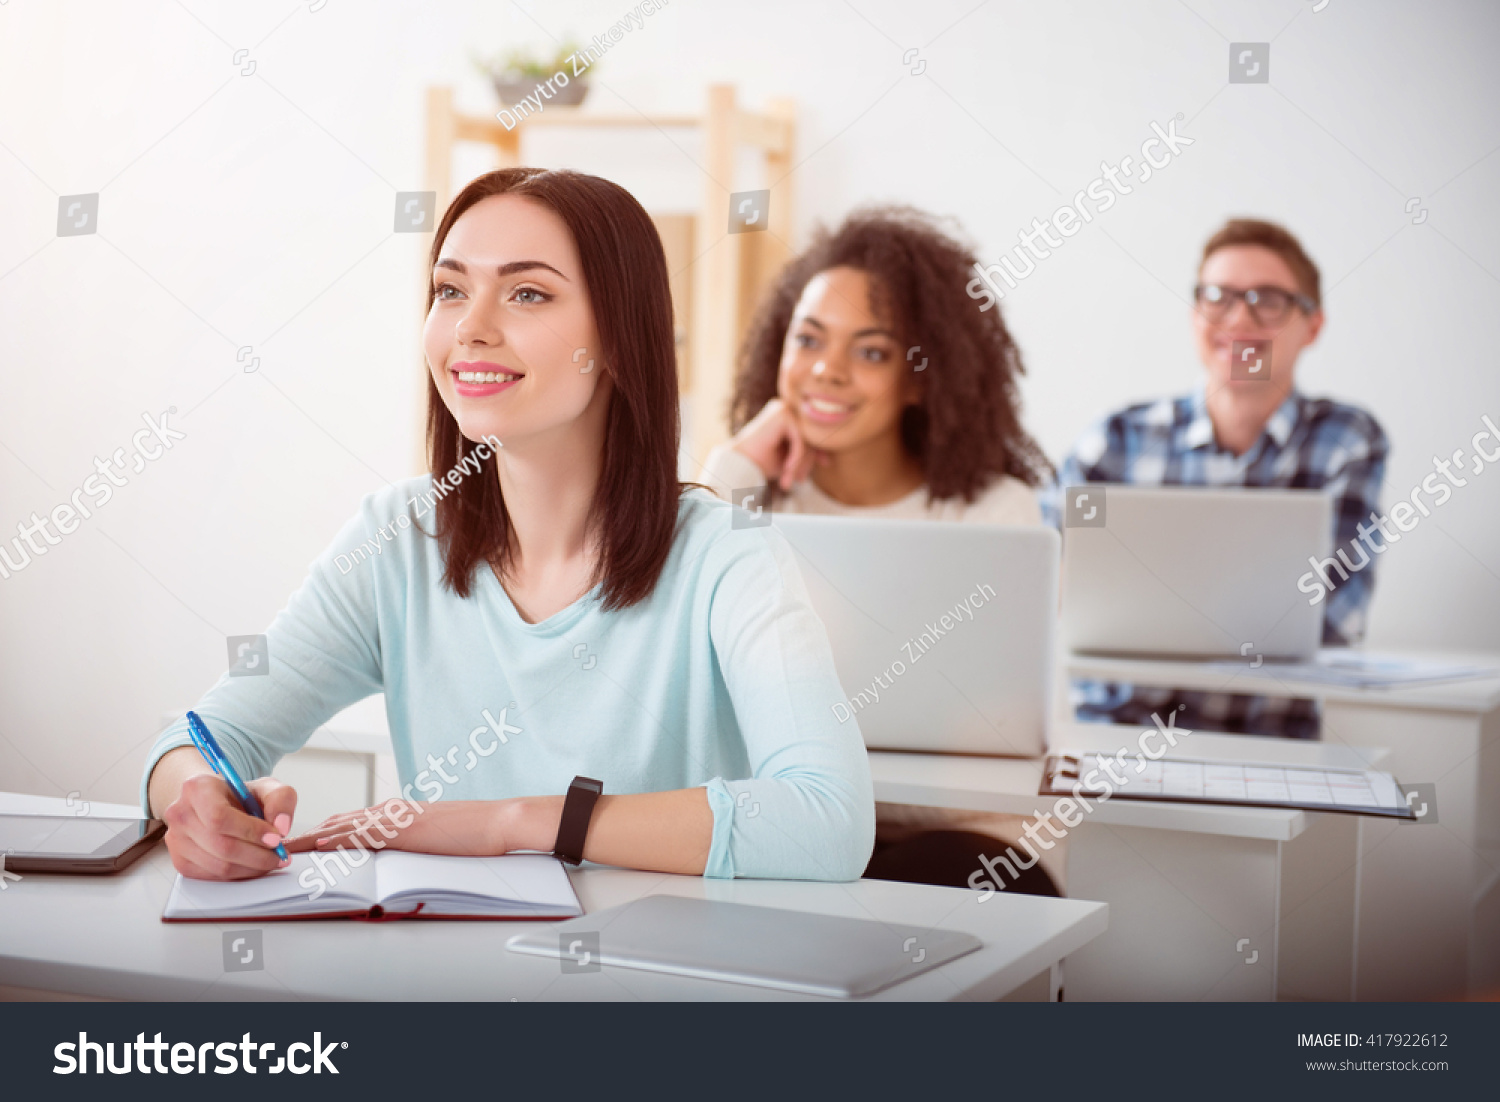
220	764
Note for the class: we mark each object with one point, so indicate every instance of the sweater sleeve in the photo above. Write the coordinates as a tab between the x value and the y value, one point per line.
1007	500
807	812
323	654
726	470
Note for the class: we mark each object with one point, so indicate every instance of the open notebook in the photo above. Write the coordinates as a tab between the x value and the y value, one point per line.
391	884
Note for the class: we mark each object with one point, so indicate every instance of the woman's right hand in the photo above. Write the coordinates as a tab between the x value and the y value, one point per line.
773	443
211	838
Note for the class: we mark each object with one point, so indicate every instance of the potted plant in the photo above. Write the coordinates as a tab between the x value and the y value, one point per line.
516	73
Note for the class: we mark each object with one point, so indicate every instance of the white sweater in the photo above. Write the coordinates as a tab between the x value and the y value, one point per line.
1007	500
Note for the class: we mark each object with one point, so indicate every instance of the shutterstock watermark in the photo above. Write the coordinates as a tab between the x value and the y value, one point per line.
915	648
1068	220
401	811
1070	810
1318	583
151	442
6	874
578	62
194	1058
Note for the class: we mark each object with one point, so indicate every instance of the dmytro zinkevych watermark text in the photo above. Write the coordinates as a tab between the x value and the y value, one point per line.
987	880
401	811
1068	220
1404	515
578	62
151	442
915	648
441	488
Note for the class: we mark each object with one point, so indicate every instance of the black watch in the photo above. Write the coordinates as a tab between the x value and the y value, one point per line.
578	808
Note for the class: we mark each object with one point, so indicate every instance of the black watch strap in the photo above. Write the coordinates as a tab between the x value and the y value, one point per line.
578	809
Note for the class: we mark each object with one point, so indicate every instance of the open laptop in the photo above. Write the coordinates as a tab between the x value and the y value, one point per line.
1193	571
977	682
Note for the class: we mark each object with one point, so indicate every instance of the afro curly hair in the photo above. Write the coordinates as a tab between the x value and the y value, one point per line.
966	430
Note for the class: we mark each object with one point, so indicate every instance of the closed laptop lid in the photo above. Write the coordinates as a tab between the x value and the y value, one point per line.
941	632
813	954
1194	571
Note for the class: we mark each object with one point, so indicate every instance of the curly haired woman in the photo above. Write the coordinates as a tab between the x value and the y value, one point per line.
869	385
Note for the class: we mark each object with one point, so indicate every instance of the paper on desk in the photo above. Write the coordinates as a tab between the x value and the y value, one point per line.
1359	670
1364	791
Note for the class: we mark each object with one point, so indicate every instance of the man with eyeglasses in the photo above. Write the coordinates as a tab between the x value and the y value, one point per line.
1257	291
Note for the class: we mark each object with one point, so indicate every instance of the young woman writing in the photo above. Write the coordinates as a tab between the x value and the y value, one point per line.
564	580
870	385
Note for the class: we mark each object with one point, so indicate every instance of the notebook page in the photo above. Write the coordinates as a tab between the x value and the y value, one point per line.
277	893
534	881
1242	781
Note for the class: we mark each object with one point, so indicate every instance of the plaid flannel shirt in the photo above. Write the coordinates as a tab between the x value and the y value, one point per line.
1308	443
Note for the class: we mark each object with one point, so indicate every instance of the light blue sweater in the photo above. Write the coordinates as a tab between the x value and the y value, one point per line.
722	677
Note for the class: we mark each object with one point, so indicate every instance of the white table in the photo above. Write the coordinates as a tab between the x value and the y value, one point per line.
1429	908
1186	884
103	937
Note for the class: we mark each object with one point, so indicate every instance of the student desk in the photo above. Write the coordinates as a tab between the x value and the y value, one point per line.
103	937
1206	902
1429	905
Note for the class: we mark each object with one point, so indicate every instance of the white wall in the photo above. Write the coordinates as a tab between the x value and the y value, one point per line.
257	210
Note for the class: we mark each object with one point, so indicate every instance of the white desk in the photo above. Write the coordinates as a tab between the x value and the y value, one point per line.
1184	883
103	937
1429	908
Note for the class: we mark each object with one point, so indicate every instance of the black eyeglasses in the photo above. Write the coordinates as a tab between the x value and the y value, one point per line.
1267	305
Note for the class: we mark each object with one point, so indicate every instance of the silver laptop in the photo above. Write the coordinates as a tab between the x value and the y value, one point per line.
1193	571
738	943
942	633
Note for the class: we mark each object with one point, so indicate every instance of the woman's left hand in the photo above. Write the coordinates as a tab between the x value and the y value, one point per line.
463	828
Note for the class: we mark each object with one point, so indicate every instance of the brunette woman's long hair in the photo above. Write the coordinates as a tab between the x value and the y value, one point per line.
633	518
966	431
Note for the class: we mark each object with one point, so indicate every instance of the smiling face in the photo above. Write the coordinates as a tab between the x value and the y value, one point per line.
1241	267
510	336
843	375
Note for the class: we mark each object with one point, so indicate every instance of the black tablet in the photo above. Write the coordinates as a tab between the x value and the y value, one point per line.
74	843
